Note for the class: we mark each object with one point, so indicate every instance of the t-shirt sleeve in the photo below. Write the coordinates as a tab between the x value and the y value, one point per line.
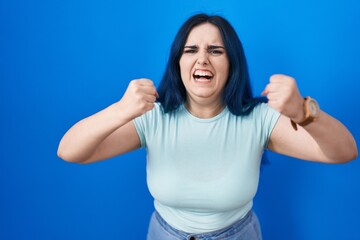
140	125
267	121
145	124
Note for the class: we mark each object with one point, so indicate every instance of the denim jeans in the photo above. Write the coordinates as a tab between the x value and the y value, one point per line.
247	228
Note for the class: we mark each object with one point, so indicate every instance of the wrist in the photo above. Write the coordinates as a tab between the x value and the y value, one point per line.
119	113
311	111
300	113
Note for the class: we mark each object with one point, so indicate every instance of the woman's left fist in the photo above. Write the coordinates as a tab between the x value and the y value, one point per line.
284	96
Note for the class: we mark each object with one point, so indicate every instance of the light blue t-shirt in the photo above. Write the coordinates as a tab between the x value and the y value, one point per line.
203	173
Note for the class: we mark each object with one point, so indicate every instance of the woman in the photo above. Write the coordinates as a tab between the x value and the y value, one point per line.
205	134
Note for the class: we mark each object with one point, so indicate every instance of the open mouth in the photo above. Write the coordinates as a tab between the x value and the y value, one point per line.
203	75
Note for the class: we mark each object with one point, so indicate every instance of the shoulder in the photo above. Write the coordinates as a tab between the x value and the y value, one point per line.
157	115
262	111
156	111
262	108
263	118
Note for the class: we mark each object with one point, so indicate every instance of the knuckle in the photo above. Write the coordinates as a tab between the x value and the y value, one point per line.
133	82
281	106
142	105
274	77
153	92
136	93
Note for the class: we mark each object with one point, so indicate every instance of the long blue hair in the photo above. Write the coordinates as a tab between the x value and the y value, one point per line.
237	94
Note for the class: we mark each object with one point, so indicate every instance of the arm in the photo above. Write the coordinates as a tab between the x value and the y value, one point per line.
111	131
324	140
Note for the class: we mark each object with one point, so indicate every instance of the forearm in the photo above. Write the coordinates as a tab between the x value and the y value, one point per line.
81	140
333	138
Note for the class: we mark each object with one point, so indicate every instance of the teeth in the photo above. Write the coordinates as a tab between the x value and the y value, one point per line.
202	73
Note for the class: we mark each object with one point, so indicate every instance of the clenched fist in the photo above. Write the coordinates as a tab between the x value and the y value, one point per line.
139	97
284	96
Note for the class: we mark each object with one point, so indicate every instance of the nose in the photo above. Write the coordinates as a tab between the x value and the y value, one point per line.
203	58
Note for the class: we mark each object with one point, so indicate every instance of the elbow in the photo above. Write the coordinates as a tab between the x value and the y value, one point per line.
348	156
62	153
353	152
347	159
64	156
68	157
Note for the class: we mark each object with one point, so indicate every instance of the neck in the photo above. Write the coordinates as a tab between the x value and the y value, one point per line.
204	110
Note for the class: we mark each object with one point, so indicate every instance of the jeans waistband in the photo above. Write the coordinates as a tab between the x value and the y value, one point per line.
222	233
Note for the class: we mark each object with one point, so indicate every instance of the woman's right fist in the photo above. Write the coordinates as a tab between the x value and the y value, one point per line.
138	98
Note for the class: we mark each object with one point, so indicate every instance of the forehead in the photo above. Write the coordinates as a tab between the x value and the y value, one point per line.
204	33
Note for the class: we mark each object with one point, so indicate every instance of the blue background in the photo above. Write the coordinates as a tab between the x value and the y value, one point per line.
61	61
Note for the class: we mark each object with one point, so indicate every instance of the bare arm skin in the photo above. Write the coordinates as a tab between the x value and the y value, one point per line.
325	140
111	131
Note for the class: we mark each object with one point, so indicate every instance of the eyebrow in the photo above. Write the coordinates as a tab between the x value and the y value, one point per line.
215	47
211	47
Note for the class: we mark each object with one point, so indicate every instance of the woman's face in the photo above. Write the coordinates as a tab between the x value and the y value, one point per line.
204	65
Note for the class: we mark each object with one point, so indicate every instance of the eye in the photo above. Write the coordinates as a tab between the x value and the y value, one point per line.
216	52
190	51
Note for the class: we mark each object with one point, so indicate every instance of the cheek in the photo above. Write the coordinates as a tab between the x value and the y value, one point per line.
224	71
184	68
224	77
222	65
227	69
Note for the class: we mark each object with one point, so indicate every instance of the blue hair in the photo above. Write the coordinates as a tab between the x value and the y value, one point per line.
237	93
